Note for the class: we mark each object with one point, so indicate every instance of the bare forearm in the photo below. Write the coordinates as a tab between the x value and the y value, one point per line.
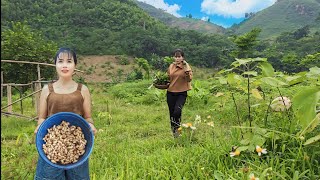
89	120
40	120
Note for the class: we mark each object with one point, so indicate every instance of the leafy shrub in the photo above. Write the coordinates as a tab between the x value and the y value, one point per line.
135	75
161	63
123	60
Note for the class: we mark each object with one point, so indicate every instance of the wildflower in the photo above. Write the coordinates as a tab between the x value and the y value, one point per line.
189	125
180	129
208	117
260	150
210	124
252	177
233	148
198	119
280	104
235	153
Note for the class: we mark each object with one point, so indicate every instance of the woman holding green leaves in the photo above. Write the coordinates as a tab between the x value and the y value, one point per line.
180	75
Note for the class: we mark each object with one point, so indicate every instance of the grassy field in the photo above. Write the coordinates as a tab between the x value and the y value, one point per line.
134	140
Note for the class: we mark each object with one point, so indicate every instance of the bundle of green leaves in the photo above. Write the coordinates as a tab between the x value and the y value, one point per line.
161	78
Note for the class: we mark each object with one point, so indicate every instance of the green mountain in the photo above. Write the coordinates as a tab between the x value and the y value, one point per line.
283	16
182	23
112	27
121	27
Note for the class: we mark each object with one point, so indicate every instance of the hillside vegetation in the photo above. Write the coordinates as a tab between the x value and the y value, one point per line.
98	23
181	23
110	28
34	30
283	16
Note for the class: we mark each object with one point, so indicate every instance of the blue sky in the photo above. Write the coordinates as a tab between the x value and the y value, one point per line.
222	12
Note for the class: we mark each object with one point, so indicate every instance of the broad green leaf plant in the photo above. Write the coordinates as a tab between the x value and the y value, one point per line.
249	75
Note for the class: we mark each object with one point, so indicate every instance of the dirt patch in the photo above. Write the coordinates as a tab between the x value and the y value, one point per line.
106	68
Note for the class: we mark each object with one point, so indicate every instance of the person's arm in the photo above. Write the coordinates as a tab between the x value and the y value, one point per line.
168	73
188	73
87	107
43	111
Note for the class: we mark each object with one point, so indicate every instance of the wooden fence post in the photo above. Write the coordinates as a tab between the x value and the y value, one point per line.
21	105
1	84
37	86
38	69
32	97
9	95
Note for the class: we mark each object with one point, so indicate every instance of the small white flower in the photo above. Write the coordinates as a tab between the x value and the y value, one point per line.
260	150
252	177
185	125
198	119
235	153
210	124
189	125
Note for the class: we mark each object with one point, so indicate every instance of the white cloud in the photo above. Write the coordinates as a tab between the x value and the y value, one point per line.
223	24
171	9
205	18
234	8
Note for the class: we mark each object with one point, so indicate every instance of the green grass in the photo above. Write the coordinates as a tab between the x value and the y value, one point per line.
134	140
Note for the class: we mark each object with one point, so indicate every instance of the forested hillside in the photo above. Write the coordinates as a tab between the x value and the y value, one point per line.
283	16
188	23
112	27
